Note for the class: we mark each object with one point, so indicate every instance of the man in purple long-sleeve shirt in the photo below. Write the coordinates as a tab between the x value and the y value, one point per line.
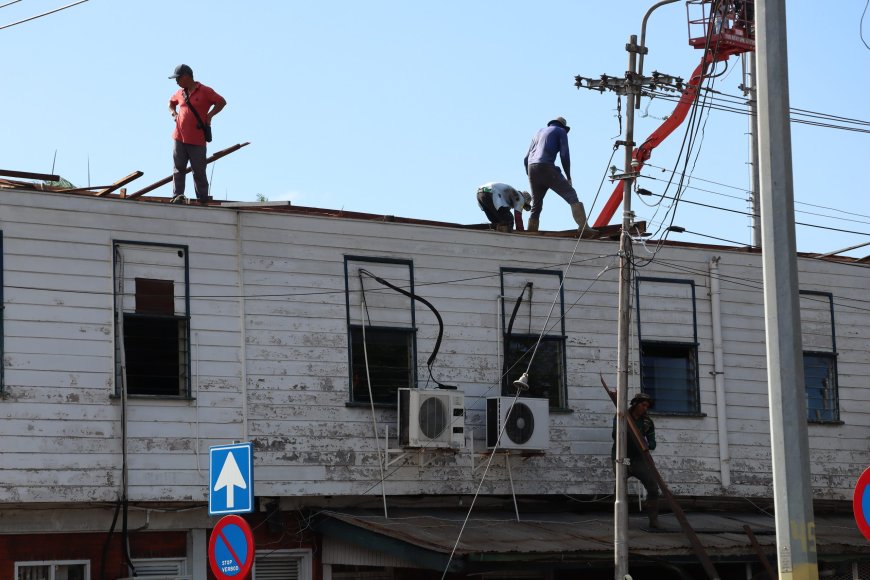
544	175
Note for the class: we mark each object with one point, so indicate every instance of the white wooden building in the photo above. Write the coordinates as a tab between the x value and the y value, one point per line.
259	324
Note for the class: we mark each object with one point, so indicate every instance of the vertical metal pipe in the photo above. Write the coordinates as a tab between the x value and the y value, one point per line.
243	319
620	504
751	91
792	492
719	374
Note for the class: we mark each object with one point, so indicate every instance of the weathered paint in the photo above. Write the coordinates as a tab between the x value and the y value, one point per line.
60	429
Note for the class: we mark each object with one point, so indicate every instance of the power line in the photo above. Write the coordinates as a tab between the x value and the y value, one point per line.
41	15
746	213
861	25
9	3
747	191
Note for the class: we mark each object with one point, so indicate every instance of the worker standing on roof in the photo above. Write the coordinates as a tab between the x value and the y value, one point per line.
637	464
544	175
192	106
498	199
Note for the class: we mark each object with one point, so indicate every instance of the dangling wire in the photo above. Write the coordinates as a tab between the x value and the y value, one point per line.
429	305
381	460
618	114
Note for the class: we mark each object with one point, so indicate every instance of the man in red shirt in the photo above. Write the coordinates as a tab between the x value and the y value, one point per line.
192	106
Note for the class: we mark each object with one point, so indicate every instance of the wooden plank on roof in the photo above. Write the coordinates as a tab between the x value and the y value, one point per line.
165	180
120	183
29	175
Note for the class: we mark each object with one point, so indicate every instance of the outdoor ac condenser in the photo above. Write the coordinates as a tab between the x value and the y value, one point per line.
526	425
431	418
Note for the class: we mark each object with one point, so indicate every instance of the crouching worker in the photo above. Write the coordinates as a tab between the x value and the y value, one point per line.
638	466
497	200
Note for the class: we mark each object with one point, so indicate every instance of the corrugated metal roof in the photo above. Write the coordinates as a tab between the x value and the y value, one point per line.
488	533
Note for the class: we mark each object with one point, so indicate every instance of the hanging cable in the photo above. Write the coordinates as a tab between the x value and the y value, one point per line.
381	460
429	305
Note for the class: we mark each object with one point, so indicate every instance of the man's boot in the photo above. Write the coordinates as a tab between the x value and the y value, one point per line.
532	225
652	512
504	228
579	213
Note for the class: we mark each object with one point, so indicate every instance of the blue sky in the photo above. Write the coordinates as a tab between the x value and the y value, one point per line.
405	107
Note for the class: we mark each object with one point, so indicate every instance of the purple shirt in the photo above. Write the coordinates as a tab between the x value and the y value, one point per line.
546	144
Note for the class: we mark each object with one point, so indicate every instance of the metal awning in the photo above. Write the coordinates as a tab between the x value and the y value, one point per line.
427	537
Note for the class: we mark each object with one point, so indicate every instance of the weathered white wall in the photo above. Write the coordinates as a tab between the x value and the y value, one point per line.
61	430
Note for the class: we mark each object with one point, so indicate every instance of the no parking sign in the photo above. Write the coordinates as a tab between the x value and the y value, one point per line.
231	549
861	503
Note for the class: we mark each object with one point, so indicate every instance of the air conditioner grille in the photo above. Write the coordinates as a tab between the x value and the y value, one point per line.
520	424
433	417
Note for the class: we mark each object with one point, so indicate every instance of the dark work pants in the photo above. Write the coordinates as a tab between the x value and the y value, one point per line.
640	469
181	154
501	216
544	176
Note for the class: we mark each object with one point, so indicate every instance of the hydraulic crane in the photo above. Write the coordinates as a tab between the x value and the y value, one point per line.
720	28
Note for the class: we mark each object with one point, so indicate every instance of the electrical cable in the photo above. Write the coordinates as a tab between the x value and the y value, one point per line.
43	14
9	3
421	300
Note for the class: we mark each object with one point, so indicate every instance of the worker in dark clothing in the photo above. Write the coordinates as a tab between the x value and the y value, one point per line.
638	466
540	162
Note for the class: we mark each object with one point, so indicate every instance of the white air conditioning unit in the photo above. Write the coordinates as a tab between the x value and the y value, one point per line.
526	424
432	418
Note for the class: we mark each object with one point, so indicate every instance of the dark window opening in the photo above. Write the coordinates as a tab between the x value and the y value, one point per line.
669	374
820	377
546	375
156	354
390	362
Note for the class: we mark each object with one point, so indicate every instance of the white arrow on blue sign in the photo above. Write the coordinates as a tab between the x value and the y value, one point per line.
231	479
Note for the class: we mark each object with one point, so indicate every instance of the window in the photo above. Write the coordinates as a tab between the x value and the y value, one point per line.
819	341
153	325
381	328
667	331
57	570
283	565
529	296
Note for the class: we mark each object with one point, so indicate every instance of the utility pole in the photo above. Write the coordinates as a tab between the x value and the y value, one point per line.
620	505
792	492
630	86
750	91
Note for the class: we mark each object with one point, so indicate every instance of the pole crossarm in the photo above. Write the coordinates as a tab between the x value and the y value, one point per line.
631	83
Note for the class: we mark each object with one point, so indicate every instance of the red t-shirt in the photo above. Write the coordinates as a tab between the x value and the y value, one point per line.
201	98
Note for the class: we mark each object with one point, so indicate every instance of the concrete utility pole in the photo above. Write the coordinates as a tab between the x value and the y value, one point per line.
620	505
750	90
792	493
631	87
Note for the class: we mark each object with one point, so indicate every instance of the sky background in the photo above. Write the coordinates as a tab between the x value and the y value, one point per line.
405	107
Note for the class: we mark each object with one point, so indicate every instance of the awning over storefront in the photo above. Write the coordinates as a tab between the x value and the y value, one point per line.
426	538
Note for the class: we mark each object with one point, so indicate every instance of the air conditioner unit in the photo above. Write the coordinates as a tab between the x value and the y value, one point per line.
526	424
431	418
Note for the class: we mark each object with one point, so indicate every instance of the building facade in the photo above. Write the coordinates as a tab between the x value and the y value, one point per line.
136	334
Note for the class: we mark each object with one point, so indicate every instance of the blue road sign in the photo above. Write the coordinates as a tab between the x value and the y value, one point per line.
231	479
231	548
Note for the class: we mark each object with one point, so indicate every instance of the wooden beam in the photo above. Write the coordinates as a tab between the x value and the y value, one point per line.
120	183
28	175
697	546
165	180
771	573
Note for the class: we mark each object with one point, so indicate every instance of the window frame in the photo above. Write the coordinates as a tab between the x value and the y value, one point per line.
832	355
52	573
694	345
412	329
2	318
562	396
185	318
